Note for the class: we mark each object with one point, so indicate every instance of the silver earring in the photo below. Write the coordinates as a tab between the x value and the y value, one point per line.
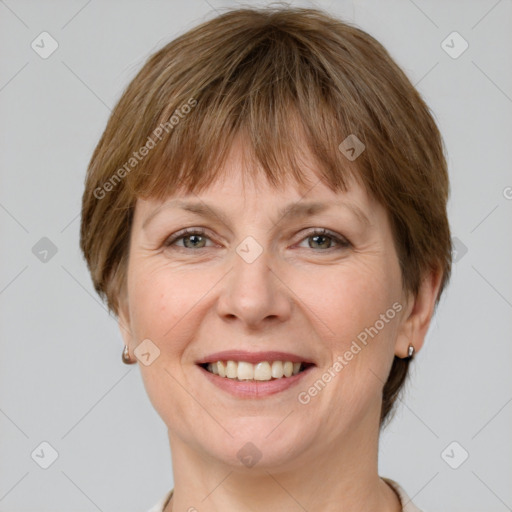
410	352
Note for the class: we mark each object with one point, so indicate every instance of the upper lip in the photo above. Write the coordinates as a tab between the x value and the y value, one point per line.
253	357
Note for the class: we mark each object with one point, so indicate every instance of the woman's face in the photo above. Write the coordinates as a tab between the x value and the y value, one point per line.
266	288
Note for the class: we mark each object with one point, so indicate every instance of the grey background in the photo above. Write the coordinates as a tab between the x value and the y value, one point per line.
61	377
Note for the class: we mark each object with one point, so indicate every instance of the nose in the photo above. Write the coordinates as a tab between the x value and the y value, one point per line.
254	293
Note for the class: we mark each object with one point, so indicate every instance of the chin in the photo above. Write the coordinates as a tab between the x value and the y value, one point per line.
256	443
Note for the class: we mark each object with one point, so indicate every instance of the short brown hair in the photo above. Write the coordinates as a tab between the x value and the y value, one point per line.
261	72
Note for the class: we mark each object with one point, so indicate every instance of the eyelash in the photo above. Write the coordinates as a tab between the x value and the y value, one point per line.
342	242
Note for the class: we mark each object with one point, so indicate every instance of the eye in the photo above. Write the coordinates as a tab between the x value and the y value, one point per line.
323	239
194	238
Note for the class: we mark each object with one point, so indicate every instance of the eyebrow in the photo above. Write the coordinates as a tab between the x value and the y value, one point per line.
293	210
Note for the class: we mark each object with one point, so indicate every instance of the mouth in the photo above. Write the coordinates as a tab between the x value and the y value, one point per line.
261	371
255	375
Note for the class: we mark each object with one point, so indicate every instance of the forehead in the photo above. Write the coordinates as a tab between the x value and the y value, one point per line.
240	179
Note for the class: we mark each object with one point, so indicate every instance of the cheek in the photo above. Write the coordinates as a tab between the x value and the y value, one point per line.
346	306
346	300
162	298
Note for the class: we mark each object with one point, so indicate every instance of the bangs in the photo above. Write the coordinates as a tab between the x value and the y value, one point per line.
279	102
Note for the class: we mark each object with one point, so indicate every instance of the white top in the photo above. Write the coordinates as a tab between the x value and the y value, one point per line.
407	504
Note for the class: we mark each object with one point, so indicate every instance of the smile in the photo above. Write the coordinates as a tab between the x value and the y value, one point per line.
261	371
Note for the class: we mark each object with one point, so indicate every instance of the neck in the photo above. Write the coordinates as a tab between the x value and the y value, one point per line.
342	476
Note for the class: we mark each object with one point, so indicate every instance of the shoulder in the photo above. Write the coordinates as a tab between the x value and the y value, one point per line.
407	504
159	507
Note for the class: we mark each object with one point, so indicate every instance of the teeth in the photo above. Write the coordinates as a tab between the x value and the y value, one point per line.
288	368
263	371
231	370
245	371
277	369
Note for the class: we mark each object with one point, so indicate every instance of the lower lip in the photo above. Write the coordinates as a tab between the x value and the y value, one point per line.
254	389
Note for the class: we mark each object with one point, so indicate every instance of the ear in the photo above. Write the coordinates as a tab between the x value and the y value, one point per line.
417	315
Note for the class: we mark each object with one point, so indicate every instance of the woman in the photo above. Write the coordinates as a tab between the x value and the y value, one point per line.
266	215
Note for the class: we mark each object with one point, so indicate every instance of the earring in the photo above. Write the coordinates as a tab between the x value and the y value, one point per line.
410	352
126	356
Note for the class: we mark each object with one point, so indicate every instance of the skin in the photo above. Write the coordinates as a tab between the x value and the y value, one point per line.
303	295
